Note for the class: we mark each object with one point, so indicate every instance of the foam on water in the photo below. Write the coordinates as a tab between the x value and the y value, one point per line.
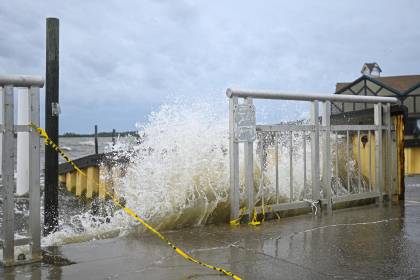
177	174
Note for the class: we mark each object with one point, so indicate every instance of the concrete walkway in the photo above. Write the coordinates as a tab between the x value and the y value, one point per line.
368	242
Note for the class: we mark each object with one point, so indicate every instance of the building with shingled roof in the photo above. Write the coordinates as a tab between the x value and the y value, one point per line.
405	87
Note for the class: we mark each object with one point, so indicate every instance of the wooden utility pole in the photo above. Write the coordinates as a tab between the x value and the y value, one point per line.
96	139
113	137
51	125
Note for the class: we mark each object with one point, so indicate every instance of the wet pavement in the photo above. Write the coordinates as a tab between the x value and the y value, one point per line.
370	242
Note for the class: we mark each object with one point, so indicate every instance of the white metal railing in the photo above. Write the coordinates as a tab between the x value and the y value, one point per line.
244	129
31	161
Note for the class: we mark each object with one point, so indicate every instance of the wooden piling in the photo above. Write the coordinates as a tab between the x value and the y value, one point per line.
70	181
113	137
104	183
80	184
102	190
62	179
96	139
92	181
51	124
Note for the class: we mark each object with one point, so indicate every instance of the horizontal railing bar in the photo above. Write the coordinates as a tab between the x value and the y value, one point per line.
355	127
18	128
310	97
357	196
284	127
22	128
287	127
21	80
18	242
283	207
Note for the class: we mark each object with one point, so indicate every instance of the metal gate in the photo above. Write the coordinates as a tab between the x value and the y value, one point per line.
324	183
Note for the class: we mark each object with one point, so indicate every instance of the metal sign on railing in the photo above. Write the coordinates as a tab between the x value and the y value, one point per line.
245	123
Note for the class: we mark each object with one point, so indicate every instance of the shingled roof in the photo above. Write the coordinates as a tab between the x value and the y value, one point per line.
399	83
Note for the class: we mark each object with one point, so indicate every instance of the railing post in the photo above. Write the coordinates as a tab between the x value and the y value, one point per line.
327	164
276	158
291	190
315	152
348	157
249	172
359	164
22	180
378	149
34	175
304	161
394	163
2	91
8	177
233	161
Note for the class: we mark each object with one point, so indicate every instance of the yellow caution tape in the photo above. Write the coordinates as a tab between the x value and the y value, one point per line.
130	212
277	214
254	221
263	211
51	143
237	222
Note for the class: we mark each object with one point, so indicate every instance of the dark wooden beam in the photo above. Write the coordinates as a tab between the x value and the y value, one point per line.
371	79
95	160
379	90
379	83
352	91
413	88
350	85
336	106
371	91
365	90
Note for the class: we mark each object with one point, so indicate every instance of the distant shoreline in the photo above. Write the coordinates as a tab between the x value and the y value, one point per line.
100	134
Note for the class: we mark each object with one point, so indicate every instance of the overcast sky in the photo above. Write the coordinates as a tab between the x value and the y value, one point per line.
119	60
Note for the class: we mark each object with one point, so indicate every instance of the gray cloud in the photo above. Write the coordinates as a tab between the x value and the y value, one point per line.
119	60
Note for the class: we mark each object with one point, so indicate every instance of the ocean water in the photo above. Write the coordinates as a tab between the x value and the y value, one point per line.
75	147
177	174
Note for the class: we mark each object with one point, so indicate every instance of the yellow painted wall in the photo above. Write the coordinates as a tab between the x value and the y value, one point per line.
410	164
412	161
87	185
364	156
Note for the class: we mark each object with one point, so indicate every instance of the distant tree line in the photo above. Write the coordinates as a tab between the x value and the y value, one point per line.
100	134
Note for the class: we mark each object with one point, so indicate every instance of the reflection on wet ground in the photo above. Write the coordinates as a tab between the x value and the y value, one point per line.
368	242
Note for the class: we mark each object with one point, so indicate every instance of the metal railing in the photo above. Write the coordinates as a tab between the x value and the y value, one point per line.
244	129
8	128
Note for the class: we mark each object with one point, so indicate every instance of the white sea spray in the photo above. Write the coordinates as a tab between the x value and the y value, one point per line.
176	173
